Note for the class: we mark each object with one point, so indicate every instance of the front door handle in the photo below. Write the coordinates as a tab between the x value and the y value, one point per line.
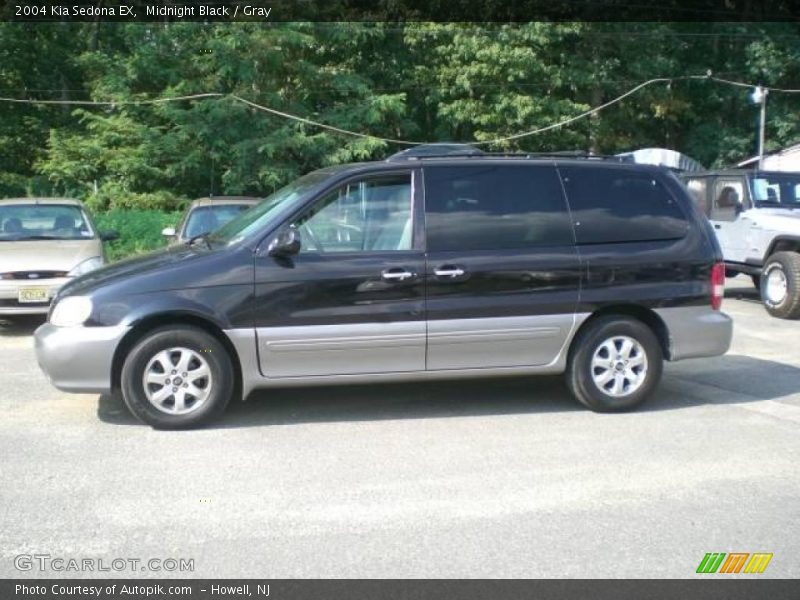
397	274
449	271
717	226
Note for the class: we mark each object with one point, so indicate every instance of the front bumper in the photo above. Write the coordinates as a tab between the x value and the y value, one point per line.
9	295
78	359
697	331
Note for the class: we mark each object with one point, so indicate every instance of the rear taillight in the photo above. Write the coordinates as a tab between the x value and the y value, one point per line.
717	285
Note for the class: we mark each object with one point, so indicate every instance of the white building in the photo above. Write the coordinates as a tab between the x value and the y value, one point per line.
787	159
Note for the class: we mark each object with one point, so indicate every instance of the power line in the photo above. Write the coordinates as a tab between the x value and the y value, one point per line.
306	121
113	103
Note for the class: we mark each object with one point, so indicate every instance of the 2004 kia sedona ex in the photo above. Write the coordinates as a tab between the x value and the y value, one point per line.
416	267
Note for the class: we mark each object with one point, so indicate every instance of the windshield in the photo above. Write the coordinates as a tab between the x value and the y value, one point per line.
776	189
204	219
259	217
43	222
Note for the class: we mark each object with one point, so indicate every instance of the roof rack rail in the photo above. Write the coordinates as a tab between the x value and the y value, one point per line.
435	150
557	154
445	151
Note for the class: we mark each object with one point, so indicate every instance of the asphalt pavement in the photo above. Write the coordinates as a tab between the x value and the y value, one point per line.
498	478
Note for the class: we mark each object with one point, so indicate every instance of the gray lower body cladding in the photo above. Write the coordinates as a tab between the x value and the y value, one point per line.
79	359
371	353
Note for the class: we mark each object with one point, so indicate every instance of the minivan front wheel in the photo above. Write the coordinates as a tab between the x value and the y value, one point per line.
615	364
177	377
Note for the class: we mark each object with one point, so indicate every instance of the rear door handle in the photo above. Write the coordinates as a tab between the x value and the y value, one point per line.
397	274
450	271
717	226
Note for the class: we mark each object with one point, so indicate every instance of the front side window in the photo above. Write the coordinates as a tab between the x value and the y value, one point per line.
728	198
615	204
20	222
494	207
368	215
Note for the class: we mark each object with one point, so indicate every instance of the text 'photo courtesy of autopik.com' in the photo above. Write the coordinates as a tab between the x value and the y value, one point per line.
399	299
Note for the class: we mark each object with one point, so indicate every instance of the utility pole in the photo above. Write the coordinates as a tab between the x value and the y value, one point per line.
759	96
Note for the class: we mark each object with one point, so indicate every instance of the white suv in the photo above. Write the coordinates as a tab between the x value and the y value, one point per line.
756	217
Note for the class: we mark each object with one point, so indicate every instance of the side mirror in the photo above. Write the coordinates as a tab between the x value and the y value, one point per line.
286	243
168	232
109	235
738	208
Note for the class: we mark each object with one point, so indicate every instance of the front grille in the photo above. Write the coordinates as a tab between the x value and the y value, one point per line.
34	275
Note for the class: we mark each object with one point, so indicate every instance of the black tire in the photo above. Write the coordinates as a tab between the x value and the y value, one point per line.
756	281
580	370
202	347
788	265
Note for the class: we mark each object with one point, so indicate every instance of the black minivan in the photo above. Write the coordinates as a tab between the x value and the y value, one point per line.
416	267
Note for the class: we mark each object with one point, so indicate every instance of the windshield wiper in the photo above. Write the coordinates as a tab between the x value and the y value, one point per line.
34	237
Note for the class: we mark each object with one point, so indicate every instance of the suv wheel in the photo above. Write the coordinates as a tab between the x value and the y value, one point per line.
177	378
615	364
780	280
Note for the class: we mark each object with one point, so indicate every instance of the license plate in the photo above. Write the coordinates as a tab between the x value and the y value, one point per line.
33	294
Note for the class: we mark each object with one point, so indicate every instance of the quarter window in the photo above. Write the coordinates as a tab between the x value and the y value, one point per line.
369	215
494	207
698	189
621	205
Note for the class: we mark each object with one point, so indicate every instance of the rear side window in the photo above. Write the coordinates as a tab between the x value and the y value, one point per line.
494	207
621	205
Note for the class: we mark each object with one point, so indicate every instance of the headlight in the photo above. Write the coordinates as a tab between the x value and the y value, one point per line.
90	264
71	311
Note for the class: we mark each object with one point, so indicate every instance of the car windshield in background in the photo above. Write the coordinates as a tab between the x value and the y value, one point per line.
259	217
776	189
19	222
204	219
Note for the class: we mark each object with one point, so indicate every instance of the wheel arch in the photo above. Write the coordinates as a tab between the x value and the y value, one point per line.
783	243
643	314
147	324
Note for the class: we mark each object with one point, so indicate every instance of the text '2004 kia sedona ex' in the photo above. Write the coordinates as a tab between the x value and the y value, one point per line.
411	268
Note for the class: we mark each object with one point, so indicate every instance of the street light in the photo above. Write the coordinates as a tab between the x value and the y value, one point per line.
759	96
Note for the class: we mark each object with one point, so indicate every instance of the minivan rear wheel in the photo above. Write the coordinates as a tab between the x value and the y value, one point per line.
615	364
177	377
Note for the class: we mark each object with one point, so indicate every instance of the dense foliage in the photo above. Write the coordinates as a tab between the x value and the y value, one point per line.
139	229
418	81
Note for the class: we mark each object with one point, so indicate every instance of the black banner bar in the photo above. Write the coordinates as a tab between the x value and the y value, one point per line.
711	588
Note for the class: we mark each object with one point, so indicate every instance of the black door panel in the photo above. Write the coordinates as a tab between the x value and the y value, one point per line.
321	290
504	284
333	310
502	272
